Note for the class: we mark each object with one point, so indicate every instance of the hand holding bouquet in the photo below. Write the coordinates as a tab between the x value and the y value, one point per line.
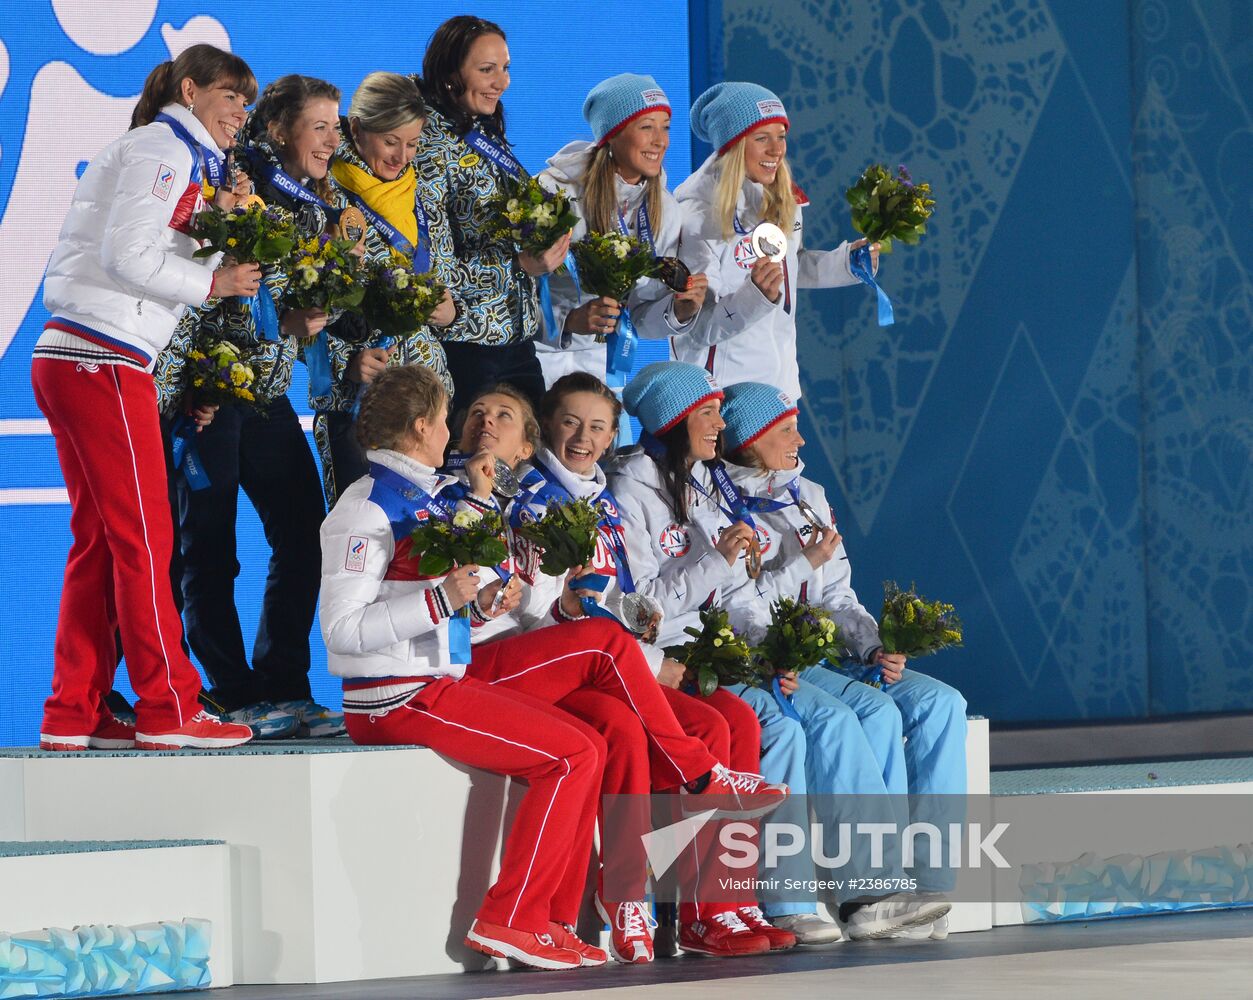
914	626
889	207
798	636
717	655
567	534
533	217
397	301
254	235
322	274
214	374
610	264
468	539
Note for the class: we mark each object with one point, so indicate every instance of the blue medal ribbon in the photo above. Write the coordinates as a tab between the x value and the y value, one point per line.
620	350
186	457
551	334
499	155
318	363
859	263
736	508
264	313
459	636
383	344
201	155
643	228
784	701
421	254
281	180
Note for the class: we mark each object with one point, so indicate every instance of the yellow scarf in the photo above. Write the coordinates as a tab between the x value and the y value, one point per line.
393	200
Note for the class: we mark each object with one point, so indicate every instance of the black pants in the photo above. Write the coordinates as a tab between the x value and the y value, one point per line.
474	366
337	441
266	454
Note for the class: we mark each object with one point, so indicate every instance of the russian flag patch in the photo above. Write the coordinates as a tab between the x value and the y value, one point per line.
164	183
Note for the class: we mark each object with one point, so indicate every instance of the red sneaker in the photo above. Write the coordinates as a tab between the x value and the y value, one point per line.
724	935
203	732
780	940
630	931
735	795
539	951
108	735
564	937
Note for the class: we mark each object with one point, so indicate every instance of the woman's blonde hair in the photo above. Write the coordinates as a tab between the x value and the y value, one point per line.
530	425
779	204
387	101
600	196
394	401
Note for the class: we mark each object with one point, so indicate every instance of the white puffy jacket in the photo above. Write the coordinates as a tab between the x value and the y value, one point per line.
374	626
747	337
650	303
123	263
785	570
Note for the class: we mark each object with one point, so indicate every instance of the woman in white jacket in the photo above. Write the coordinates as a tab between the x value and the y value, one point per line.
121	276
618	184
854	730
745	182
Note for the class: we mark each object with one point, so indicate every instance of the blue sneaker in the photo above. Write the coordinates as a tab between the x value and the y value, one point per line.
268	722
315	721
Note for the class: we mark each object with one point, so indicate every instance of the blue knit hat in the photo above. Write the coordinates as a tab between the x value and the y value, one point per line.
750	410
727	112
665	392
620	99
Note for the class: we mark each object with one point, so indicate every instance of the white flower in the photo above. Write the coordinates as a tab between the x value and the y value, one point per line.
466	518
308	275
543	215
717	642
402	279
620	248
511	205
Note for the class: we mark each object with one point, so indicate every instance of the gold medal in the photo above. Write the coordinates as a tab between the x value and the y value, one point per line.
351	225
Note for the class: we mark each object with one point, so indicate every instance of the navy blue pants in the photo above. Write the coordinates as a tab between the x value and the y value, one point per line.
266	454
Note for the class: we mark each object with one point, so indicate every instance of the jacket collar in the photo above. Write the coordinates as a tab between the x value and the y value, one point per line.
422	476
581	487
193	125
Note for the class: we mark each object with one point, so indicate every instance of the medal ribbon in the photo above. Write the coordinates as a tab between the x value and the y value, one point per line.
421	254
186	457
213	164
859	263
497	154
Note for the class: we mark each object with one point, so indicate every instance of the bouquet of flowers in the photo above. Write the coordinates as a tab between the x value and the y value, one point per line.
610	264
798	636
469	539
531	216
914	626
889	207
214	374
254	235
322	274
397	301
717	654
566	533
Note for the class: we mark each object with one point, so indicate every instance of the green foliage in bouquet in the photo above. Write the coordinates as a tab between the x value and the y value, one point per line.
889	207
396	300
567	533
215	374
914	626
468	539
254	235
322	274
610	264
531	216
798	636
717	655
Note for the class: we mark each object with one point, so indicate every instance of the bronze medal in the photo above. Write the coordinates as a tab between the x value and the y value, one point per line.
752	558
673	273
809	514
351	226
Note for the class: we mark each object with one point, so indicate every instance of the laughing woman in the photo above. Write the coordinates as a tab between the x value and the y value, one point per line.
618	184
374	167
464	162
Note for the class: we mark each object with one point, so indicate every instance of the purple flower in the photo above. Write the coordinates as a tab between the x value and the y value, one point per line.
906	179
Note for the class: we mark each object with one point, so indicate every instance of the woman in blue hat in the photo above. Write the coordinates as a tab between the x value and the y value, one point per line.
618	184
854	731
745	183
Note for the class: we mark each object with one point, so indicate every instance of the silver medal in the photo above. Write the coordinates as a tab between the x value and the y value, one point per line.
640	613
768	241
505	483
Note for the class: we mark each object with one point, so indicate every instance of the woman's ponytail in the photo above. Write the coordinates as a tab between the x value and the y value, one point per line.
157	93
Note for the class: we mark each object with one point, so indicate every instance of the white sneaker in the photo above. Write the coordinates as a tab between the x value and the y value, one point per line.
887	917
809	928
937	931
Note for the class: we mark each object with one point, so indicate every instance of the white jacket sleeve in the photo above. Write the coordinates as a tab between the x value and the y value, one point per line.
858	628
357	548
824	268
130	251
682	584
727	311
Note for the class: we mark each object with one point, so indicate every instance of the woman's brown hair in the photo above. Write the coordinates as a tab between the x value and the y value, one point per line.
393	401
206	66
280	107
441	71
570	384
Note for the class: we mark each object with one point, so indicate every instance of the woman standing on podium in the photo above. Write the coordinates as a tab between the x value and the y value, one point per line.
119	279
464	162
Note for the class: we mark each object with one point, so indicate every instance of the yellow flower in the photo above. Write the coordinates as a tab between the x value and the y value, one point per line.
717	642
245	394
306	261
239	374
231	241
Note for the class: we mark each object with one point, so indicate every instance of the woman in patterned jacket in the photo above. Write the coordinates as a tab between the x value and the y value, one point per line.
374	167
285	146
464	163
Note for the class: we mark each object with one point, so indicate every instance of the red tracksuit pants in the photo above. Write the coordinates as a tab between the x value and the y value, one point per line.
511	733
117	576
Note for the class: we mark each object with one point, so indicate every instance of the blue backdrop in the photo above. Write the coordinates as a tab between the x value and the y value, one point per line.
1056	433
70	71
